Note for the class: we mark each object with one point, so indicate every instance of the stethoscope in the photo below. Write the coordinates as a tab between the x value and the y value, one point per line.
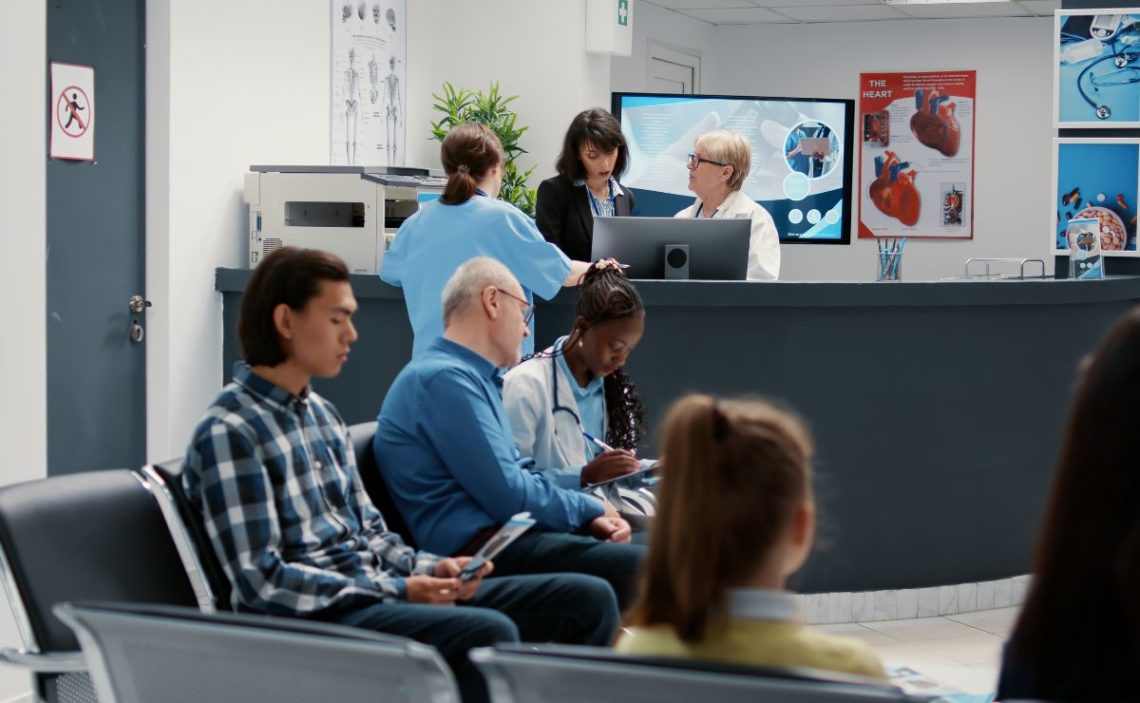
1123	75
557	407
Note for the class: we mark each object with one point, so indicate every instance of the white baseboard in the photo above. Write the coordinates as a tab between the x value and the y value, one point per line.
905	604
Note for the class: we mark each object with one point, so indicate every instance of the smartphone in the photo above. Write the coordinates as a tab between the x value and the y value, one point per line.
508	533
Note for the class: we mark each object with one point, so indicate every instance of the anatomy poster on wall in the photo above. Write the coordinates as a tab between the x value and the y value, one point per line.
1099	180
1097	68
916	157
369	82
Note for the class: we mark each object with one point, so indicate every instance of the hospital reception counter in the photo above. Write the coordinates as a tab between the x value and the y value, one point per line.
937	407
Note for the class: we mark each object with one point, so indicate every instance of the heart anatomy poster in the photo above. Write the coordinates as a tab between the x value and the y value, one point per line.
916	156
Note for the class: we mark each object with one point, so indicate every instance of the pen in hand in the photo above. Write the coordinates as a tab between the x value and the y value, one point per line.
605	447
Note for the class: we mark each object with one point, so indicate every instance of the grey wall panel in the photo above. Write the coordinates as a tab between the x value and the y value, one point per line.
937	408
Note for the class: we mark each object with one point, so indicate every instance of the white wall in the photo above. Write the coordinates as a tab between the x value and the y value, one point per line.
670	29
229	85
1013	61
23	233
254	88
534	49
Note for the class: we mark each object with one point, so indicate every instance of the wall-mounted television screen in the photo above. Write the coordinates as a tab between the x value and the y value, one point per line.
801	149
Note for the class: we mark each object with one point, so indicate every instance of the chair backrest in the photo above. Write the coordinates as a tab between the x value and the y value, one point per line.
374	485
211	584
142	654
87	536
569	674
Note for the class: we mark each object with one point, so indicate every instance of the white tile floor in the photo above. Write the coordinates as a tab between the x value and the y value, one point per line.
961	650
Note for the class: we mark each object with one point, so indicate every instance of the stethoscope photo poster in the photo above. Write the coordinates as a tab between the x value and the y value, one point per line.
1097	67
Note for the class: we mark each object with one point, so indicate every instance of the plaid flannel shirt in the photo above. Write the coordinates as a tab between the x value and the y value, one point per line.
275	479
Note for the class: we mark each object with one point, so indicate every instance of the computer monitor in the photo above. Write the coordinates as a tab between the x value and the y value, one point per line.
706	249
801	166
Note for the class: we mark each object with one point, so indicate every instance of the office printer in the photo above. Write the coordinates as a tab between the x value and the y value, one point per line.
351	211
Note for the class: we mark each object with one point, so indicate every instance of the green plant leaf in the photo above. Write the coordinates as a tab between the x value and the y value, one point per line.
464	106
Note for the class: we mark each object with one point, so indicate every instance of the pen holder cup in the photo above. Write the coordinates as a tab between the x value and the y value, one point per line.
889	267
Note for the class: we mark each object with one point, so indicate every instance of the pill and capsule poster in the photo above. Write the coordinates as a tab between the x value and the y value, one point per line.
1097	179
916	154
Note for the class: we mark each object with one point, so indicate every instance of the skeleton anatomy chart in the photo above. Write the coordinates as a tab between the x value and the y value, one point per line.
369	82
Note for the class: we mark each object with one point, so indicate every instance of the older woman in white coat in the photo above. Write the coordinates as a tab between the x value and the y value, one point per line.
717	168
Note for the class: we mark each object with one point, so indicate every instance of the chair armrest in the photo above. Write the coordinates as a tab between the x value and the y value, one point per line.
54	663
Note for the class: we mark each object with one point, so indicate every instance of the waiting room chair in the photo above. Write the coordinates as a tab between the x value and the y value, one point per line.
144	654
211	585
88	536
374	485
569	674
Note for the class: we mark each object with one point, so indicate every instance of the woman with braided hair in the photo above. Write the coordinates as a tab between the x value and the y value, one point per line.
572	408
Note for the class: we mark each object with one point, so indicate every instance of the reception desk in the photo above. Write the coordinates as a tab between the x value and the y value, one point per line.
937	407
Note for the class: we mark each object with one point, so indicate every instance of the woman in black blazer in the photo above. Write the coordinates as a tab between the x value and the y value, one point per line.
594	155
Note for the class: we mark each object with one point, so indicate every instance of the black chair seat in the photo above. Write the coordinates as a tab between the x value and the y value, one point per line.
373	480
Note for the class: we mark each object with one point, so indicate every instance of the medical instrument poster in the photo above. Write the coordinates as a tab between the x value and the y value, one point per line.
1097	179
73	112
368	118
1097	68
916	155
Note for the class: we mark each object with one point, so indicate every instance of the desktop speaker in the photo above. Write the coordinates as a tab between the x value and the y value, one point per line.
677	262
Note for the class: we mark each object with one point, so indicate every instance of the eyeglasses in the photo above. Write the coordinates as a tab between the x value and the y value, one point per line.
695	161
528	308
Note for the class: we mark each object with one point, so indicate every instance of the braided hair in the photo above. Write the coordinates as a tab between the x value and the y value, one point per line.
606	294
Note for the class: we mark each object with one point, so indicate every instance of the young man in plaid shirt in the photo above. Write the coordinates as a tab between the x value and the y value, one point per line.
271	470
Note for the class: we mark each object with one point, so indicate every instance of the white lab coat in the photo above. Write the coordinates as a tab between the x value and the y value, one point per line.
764	242
553	440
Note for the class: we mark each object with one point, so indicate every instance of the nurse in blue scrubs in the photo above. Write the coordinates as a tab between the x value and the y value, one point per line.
469	221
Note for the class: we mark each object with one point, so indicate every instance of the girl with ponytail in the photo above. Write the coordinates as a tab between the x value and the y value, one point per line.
469	221
735	519
563	399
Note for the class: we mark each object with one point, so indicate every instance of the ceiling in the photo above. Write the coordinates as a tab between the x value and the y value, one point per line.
726	12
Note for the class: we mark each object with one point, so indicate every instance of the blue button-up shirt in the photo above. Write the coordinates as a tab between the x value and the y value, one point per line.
445	448
275	479
432	243
606	207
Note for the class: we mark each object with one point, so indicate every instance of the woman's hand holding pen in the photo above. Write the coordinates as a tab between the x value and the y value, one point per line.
609	464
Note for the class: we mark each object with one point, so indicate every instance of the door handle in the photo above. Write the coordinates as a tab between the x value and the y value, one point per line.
138	304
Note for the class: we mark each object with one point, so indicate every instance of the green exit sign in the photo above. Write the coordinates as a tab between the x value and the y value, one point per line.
623	13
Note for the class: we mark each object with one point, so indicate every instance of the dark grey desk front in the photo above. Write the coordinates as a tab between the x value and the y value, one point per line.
937	407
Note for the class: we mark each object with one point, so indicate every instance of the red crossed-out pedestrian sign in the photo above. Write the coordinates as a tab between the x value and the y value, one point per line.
72	112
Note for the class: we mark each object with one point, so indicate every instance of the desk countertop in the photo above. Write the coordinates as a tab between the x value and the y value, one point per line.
1046	291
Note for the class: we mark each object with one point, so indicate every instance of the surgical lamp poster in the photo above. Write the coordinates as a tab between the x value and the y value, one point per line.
368	110
1097	68
916	155
1097	179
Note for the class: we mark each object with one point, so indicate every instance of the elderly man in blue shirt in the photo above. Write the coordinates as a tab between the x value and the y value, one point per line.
272	473
445	448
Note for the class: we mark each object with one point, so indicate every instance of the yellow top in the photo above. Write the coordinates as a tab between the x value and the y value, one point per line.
771	641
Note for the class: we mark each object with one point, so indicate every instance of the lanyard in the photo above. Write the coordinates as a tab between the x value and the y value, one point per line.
702	207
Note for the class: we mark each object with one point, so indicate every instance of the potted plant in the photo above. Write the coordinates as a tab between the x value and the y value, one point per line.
462	106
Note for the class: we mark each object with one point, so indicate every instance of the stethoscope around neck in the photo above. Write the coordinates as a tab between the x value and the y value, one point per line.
557	407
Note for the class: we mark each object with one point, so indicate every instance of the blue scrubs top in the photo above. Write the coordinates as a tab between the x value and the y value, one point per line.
435	241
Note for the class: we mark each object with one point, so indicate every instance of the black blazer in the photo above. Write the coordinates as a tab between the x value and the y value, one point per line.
564	217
